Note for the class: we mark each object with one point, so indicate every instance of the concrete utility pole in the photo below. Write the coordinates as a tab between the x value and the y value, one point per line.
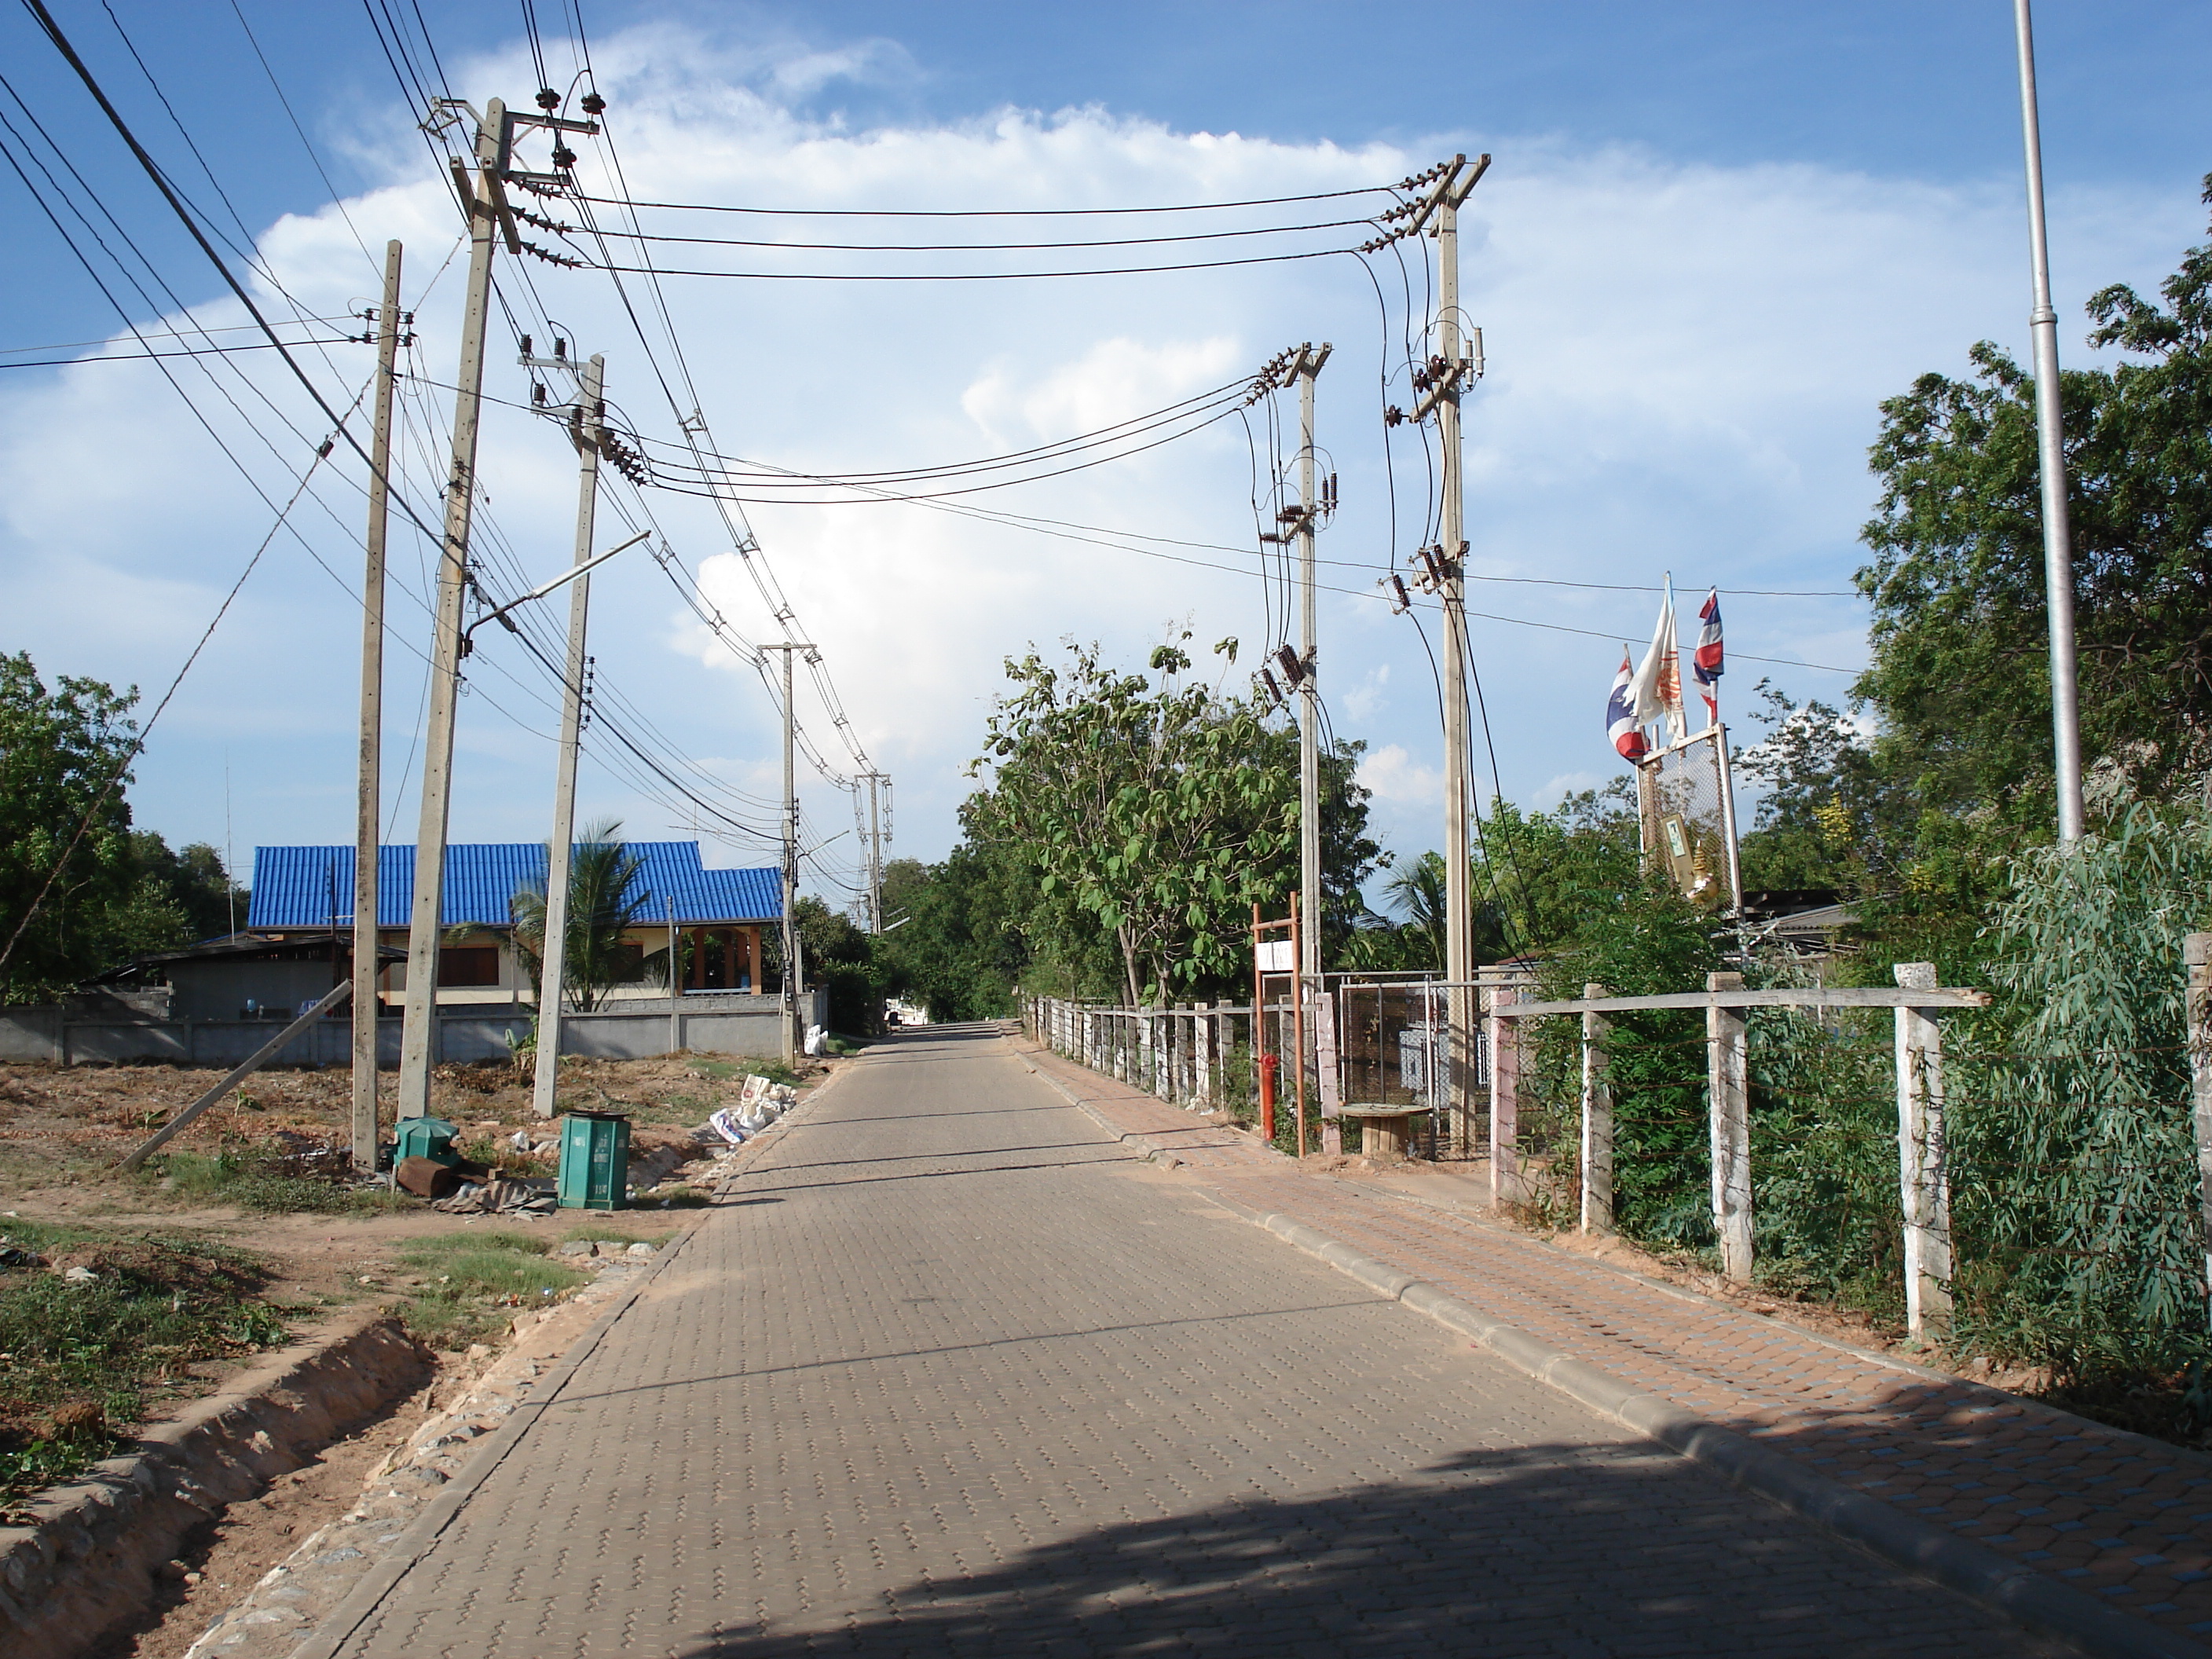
369	798
586	432
1305	368
418	1032
875	849
1448	370
791	986
485	199
2050	447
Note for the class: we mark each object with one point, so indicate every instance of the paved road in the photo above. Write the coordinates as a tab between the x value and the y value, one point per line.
955	1375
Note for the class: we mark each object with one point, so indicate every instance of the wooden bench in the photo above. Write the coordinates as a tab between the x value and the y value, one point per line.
1385	1131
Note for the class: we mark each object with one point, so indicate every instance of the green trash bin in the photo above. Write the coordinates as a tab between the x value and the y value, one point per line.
594	1161
426	1137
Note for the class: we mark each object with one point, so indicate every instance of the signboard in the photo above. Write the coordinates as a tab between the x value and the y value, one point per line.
1274	956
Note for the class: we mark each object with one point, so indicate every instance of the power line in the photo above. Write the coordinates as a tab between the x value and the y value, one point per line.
971	276
161	183
149	355
986	213
958	247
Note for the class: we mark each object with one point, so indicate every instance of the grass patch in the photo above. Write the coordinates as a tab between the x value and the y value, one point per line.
470	1279
270	1181
606	1232
79	1360
721	1071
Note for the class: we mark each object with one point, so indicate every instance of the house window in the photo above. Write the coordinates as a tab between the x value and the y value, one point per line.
469	964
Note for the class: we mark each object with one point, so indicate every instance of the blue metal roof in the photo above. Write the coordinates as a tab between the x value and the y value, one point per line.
307	886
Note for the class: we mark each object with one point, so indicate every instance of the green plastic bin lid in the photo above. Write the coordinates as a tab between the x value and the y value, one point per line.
434	1128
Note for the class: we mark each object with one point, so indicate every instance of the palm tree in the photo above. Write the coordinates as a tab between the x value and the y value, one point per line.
1417	893
604	903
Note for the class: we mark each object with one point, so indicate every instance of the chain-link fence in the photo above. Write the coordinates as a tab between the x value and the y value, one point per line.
1688	814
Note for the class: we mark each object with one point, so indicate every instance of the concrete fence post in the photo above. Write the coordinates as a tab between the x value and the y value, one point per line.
1728	1071
1597	1121
1201	1032
1163	1027
2197	954
1506	1185
1923	1178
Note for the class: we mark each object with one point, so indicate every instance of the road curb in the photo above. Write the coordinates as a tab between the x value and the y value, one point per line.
338	1628
1974	1571
88	1563
1154	1152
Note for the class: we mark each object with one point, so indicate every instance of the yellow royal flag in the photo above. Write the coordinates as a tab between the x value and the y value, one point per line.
1658	686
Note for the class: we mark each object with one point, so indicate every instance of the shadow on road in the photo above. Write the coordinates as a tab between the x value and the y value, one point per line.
1540	1550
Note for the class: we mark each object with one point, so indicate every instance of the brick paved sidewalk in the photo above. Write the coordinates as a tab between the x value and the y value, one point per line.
2113	1514
948	1370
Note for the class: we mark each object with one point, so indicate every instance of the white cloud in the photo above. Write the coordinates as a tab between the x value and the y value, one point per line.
1365	699
1684	363
1398	779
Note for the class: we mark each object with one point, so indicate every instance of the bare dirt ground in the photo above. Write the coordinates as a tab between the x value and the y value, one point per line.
62	1132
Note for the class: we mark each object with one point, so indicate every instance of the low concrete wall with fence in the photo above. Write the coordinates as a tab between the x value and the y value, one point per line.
745	1026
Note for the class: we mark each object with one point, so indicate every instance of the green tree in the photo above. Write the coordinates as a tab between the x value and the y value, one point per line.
1541	879
1155	817
1826	819
66	859
604	903
1417	893
957	944
1960	673
838	958
193	880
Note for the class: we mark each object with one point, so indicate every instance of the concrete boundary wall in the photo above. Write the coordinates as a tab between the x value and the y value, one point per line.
747	1026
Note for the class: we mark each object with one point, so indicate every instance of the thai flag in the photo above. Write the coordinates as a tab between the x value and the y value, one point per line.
1620	713
1705	668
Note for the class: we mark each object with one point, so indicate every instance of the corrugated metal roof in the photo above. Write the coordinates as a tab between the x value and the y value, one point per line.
304	886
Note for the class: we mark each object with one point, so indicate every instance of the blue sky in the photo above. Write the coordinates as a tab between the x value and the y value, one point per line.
1714	237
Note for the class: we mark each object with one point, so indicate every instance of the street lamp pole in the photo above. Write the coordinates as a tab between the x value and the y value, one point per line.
2050	449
